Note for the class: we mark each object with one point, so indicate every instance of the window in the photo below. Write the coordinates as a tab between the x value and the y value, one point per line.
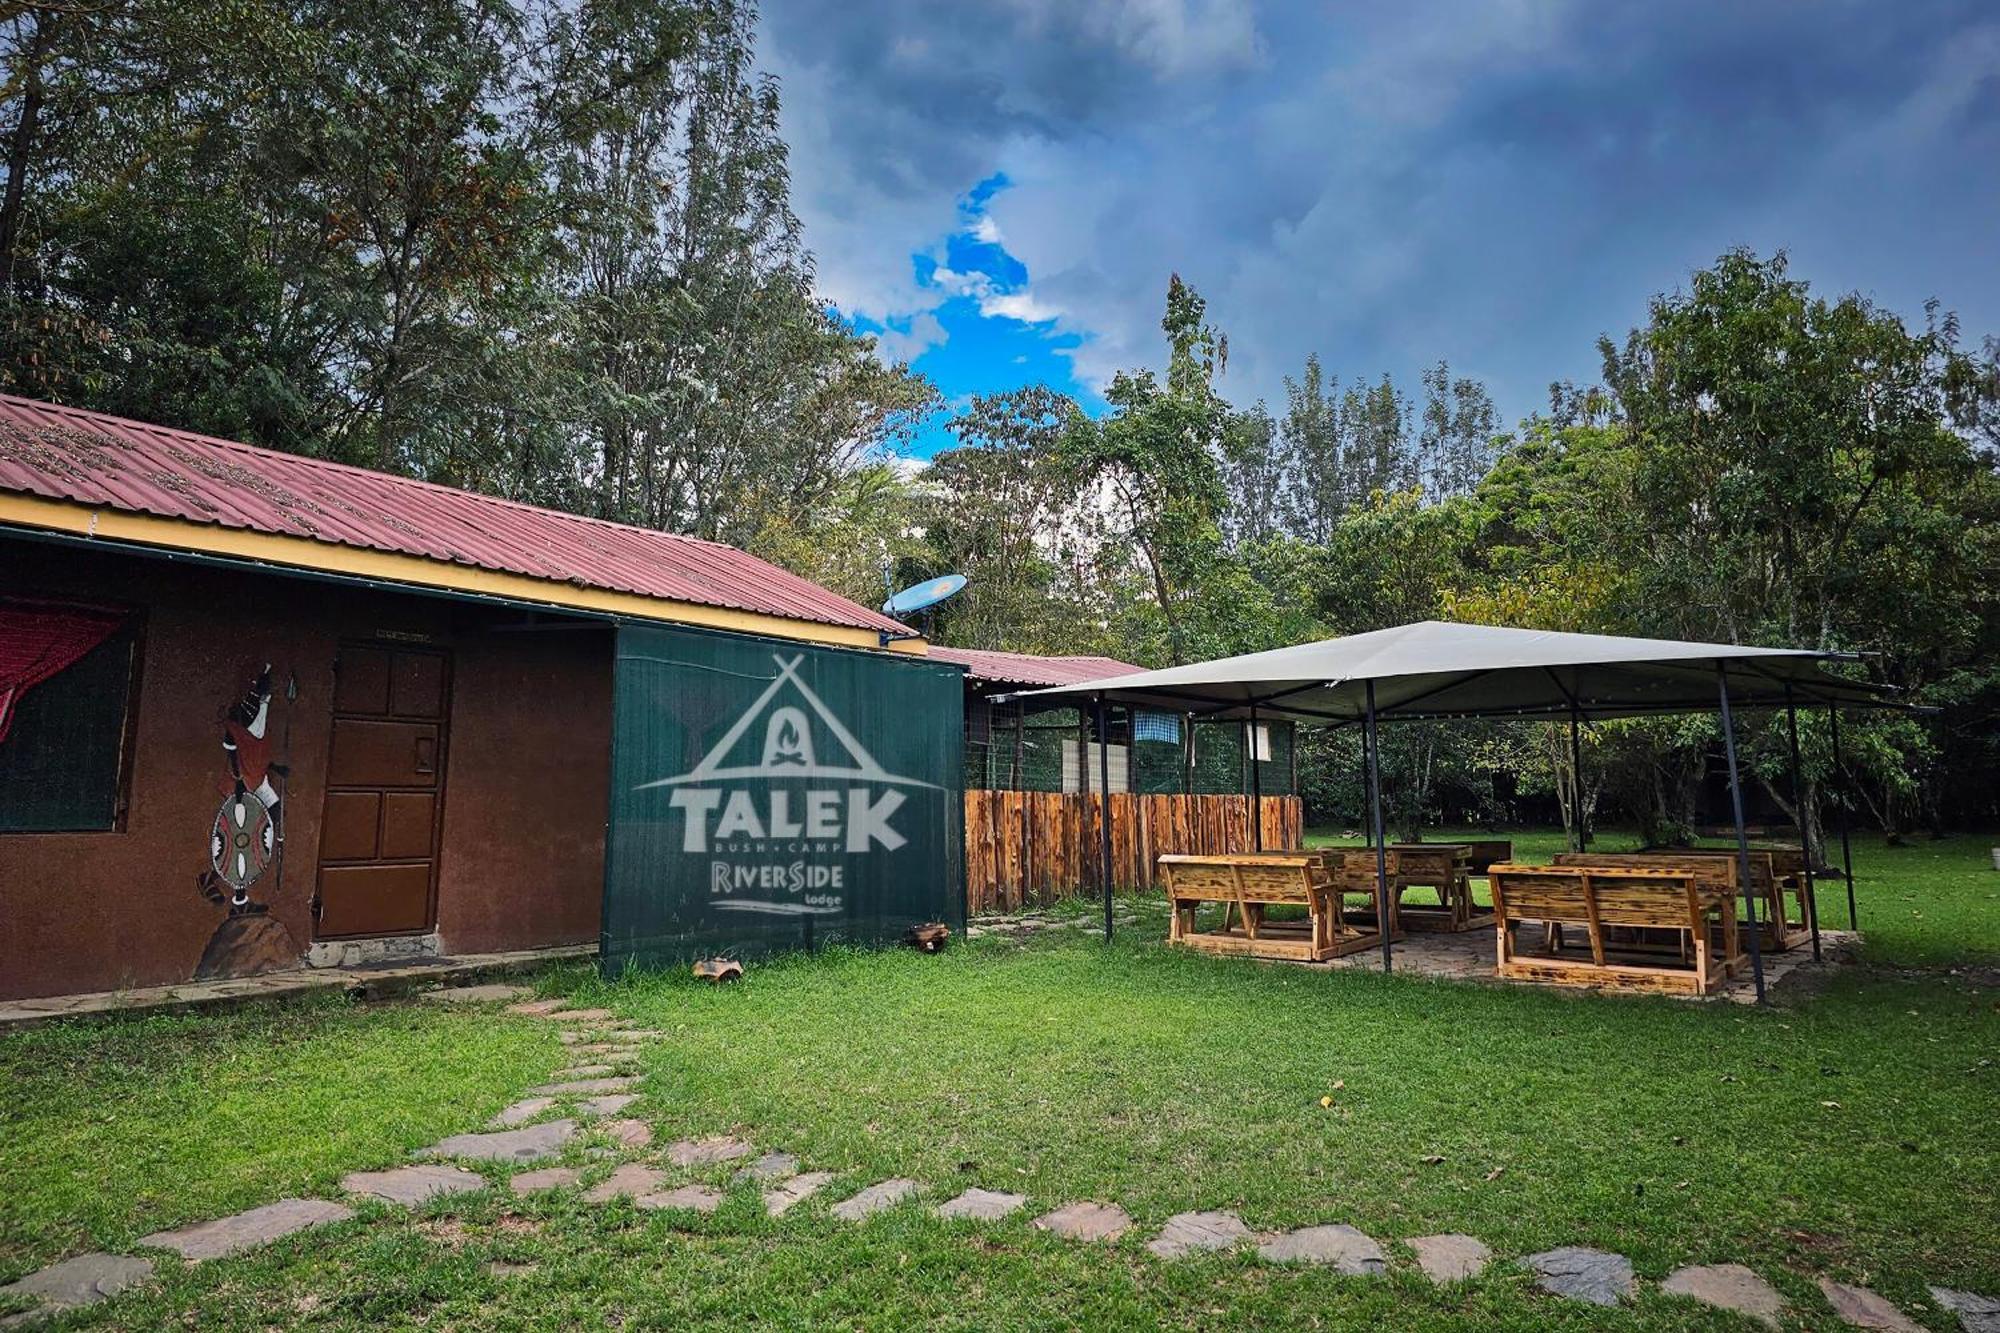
66	691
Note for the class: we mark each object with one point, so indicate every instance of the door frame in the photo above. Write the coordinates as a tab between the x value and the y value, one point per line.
328	788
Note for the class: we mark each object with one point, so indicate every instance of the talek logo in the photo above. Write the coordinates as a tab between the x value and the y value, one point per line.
789	802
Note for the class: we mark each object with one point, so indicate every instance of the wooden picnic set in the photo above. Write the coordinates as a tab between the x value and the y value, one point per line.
1664	921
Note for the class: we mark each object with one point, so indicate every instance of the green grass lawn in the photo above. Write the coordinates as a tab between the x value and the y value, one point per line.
1844	1131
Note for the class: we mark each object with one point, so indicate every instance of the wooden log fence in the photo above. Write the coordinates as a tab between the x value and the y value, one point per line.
1029	848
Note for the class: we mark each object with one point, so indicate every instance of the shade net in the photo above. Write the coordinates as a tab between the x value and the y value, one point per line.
770	795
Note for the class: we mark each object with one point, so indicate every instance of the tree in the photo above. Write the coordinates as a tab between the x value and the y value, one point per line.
1000	508
1800	478
1157	461
1455	447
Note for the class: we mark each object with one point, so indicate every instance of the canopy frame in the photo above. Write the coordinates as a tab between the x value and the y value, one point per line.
1232	688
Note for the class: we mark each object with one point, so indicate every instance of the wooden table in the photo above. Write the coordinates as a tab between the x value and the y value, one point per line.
1445	868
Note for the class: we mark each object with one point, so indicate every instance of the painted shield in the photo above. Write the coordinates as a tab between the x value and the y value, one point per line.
243	840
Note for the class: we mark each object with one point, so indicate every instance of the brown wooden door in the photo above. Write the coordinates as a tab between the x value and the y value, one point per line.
384	792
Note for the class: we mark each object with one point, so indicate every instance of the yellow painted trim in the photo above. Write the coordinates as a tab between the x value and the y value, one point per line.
116	526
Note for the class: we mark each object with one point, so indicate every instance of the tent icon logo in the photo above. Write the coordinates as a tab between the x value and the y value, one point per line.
735	803
788	746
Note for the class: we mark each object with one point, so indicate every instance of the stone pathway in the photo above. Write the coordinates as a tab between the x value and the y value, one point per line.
1583	1274
412	1185
982	1205
84	1280
1087	1221
708	1151
1728	1287
1976	1314
881	1195
1450	1257
771	1166
547	1178
1186	1233
506	1145
594	1091
1858	1307
1342	1248
781	1199
247	1230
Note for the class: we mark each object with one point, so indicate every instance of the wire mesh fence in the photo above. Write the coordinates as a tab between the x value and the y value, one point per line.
1064	750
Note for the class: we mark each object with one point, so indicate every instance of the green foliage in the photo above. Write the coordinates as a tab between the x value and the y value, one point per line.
540	249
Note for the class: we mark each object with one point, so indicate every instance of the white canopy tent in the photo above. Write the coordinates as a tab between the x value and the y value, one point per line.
1436	670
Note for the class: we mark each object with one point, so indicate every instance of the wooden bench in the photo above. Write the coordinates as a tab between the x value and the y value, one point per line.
1777	873
1696	906
1248	885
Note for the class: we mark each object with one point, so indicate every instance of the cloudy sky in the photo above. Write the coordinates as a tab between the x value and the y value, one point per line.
1001	188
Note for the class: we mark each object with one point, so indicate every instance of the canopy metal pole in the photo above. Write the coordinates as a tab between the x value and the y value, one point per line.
1372	747
1256	788
1846	848
1576	774
1799	813
1742	835
1104	820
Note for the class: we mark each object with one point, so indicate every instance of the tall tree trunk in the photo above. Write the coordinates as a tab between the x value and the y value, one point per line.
21	145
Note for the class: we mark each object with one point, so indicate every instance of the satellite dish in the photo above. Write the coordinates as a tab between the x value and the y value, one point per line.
922	596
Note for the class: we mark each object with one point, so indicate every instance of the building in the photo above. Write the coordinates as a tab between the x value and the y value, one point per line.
259	710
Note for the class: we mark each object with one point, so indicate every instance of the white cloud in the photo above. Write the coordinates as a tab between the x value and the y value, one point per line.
911	338
1492	184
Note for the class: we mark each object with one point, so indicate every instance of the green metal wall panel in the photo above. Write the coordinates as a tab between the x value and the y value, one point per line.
767	795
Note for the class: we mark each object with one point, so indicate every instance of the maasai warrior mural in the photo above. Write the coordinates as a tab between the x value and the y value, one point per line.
246	839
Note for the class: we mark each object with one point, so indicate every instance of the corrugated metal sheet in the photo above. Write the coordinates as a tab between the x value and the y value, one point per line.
1028	669
64	453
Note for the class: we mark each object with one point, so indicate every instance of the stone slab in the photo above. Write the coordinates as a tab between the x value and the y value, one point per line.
1341	1248
882	1194
244	1231
1087	1221
538	1008
410	1185
693	1198
709	1151
1191	1233
629	1133
546	1178
521	1112
631	1179
486	994
1858	1307
1727	1287
781	1198
579	1046
582	1015
583	1087
1579	1273
1976	1313
609	1104
83	1280
1450	1256
582	1072
507	1145
983	1205
770	1167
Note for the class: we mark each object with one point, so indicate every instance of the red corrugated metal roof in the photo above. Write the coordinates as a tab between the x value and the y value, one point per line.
64	453
1028	669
